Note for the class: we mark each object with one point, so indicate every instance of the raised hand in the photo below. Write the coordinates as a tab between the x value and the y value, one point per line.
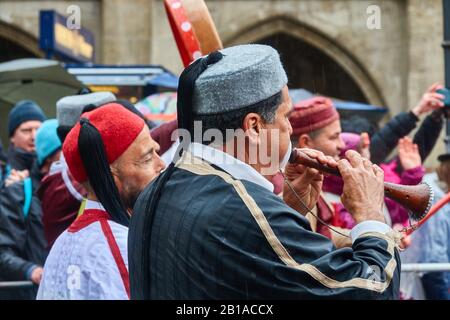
364	145
408	154
431	100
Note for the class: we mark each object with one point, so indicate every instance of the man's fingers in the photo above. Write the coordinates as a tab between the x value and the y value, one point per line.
23	174
437	96
407	139
367	164
435	86
378	171
344	166
310	176
315	154
297	169
354	158
319	156
331	162
401	143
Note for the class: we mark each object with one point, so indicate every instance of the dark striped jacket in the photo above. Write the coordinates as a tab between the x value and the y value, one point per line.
215	237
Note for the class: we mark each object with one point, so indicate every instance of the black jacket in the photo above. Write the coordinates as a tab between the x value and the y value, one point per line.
20	159
386	139
2	153
22	241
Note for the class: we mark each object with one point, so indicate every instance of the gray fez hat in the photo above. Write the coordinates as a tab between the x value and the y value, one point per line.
68	109
246	75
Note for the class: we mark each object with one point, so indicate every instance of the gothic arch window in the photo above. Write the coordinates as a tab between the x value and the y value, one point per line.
16	43
313	61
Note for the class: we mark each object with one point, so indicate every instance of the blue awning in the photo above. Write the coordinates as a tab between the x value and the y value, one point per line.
356	106
165	79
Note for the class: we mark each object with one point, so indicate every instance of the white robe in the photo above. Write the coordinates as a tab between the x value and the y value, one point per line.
81	266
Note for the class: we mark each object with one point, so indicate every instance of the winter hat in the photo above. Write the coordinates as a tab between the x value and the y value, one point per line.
312	114
68	109
23	111
118	128
247	74
47	141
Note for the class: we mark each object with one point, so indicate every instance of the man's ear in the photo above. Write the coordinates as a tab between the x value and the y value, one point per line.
251	125
114	172
304	141
116	177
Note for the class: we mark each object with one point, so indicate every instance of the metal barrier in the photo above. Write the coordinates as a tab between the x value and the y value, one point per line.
426	267
407	267
15	284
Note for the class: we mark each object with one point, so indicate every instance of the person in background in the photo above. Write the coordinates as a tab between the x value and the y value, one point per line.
60	194
433	238
3	162
163	136
383	141
111	153
431	243
24	120
23	248
316	125
411	174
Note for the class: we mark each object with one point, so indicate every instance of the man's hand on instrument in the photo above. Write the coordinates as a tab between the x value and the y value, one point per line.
306	182
406	240
363	194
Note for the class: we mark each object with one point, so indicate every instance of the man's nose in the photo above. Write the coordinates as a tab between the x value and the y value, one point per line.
161	165
33	134
341	144
290	128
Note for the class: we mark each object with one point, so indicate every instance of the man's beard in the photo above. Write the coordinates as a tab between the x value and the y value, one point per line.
129	197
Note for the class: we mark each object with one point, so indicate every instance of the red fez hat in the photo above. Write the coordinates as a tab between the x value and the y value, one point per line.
312	114
118	128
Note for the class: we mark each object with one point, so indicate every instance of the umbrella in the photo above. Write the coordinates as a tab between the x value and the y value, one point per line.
43	81
159	107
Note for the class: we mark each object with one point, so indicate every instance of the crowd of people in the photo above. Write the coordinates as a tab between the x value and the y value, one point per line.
98	204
